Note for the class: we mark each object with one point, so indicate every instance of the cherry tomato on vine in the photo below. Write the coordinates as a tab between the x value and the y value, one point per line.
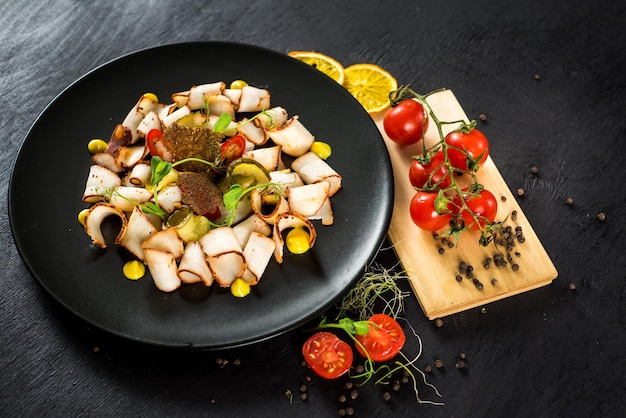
232	148
384	339
405	122
327	355
472	144
484	205
420	173
424	214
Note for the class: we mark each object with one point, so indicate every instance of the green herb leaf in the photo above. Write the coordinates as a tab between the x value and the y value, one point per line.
222	123
158	170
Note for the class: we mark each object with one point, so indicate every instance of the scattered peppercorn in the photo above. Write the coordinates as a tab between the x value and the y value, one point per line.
441	250
514	215
462	356
459	278
354	394
342	398
396	385
359	368
515	267
520	192
494	281
534	170
304	396
460	364
439	322
428	369
236	362
386	396
348	385
537	77
482	117
478	284
503	198
349	411
601	216
302	388
438	363
572	286
569	201
212	401
483	310
405	379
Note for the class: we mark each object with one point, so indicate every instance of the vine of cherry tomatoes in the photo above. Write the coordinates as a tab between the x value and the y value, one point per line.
440	200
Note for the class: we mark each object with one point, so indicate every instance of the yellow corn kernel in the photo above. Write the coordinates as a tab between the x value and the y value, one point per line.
238	84
134	270
82	215
321	149
240	288
151	96
298	240
96	145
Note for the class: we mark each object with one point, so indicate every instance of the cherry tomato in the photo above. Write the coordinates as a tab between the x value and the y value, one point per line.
232	148
405	122
419	173
484	205
327	355
424	214
154	140
384	339
473	144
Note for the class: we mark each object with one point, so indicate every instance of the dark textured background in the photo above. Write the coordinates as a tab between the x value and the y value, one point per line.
548	352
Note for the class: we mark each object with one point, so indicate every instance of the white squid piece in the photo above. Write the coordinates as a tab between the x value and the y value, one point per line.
198	94
281	206
193	267
257	253
293	137
93	223
307	200
313	169
148	123
272	118
169	198
253	223
287	179
253	99
220	104
268	157
252	132
163	269
99	180
138	229
138	176
166	240
124	197
174	116
224	255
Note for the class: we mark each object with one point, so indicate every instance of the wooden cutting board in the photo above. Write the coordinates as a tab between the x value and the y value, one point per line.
432	274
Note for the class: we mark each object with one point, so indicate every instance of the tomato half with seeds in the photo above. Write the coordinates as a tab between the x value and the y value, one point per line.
327	355
232	148
384	340
156	146
424	214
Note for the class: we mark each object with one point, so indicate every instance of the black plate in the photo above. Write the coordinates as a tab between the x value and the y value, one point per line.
51	169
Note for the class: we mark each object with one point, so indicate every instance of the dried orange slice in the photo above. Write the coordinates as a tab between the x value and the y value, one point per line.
324	63
370	85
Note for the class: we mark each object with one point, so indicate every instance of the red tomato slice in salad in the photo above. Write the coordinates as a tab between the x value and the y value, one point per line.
327	355
384	340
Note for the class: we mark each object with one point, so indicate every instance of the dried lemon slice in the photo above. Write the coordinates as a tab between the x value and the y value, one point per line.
370	85
324	63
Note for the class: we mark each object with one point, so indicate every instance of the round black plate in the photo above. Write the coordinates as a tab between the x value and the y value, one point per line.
51	169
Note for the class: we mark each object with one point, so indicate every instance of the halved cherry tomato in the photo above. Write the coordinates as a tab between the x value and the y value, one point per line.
232	148
467	150
327	355
384	339
420	173
424	214
484	205
405	122
154	140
